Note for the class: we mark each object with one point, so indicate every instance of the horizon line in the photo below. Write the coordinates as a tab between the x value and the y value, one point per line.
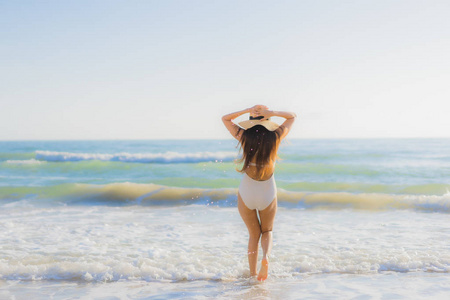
222	139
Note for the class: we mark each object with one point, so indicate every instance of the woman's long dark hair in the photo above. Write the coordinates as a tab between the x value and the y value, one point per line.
259	144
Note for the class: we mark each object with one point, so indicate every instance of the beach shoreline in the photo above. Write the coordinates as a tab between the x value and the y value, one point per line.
387	285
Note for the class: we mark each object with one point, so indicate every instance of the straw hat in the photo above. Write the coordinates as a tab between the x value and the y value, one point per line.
271	126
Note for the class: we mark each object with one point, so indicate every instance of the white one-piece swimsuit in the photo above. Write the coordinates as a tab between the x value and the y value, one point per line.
257	194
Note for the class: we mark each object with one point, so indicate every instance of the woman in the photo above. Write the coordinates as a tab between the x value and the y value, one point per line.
259	139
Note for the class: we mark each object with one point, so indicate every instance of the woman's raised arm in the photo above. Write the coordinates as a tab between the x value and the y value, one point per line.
287	124
233	128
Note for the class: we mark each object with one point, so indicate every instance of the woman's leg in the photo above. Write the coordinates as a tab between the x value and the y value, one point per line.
267	217
254	230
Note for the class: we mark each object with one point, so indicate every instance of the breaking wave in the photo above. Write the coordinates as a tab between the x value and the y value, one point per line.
166	157
129	193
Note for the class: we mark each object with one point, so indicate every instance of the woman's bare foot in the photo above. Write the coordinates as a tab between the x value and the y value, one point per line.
264	271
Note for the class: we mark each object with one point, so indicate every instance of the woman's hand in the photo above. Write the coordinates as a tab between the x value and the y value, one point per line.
258	110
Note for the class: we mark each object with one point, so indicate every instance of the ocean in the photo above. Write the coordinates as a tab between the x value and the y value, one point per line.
157	219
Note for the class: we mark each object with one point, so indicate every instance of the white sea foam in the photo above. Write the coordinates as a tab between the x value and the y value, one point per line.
166	157
25	162
188	243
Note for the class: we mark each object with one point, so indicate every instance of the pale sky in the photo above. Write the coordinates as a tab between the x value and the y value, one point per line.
171	69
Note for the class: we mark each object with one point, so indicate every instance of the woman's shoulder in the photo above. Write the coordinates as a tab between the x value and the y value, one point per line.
262	165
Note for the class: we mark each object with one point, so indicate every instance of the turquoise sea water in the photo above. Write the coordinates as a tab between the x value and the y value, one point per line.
158	219
174	171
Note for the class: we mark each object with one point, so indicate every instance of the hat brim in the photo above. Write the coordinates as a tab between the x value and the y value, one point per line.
269	125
